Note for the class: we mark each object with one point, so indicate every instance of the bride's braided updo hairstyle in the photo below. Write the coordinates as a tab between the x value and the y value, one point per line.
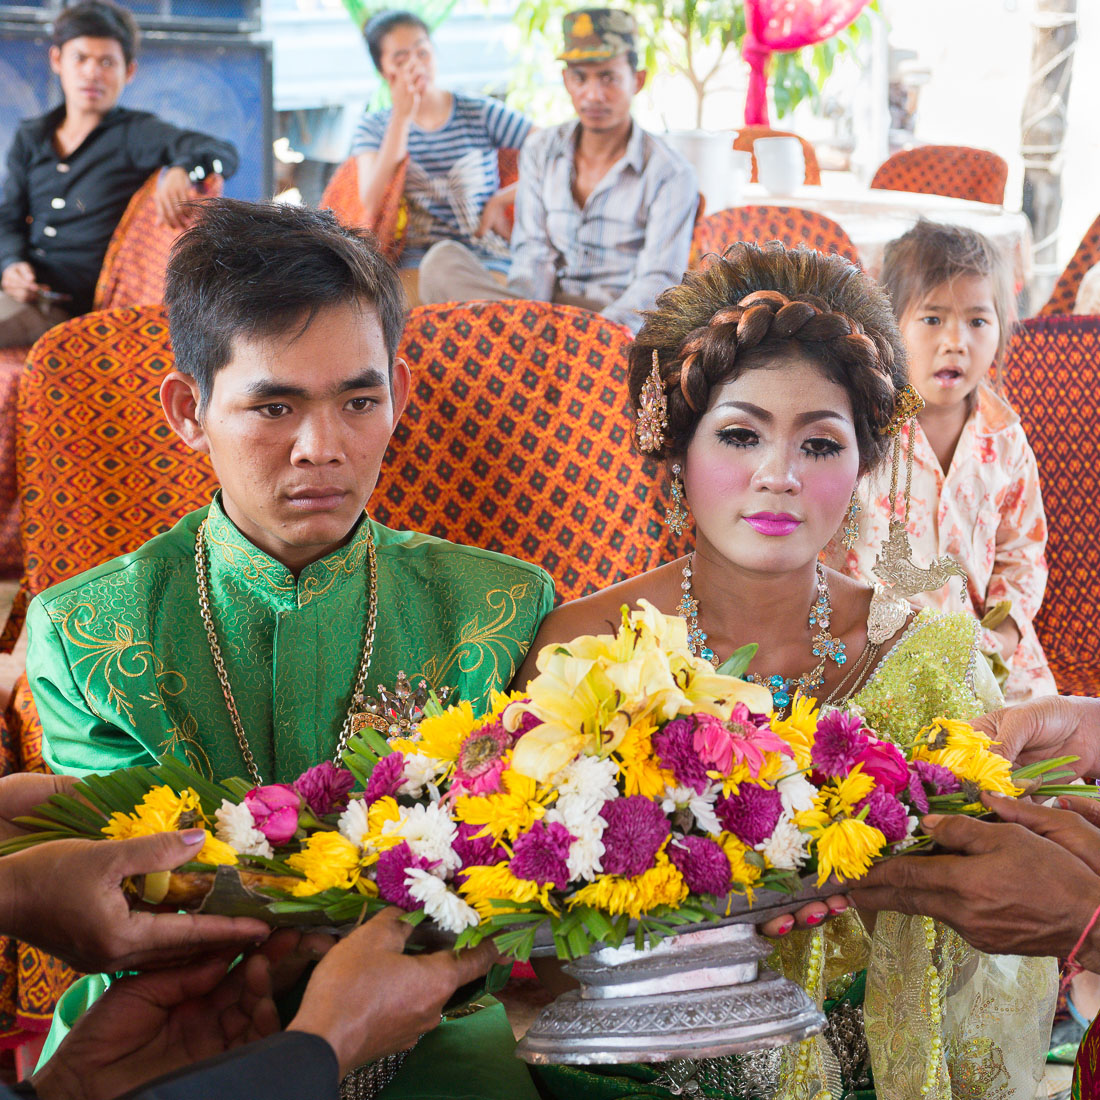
754	305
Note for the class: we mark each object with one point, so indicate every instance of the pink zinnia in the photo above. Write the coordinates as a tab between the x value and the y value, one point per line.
477	851
481	759
744	738
838	742
387	778
751	814
274	808
886	765
636	829
705	867
325	788
886	814
393	865
541	854
926	779
676	750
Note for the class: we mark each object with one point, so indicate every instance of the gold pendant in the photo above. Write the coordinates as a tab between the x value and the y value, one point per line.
397	712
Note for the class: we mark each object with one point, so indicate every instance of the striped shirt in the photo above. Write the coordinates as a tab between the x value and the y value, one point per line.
452	173
628	242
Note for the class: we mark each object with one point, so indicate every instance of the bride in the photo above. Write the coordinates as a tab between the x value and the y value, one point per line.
770	381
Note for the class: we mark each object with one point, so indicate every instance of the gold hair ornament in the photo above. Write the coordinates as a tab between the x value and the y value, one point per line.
652	418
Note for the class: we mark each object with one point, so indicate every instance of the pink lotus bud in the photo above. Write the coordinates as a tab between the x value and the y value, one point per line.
274	808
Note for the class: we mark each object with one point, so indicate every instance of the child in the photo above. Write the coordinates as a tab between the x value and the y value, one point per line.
975	489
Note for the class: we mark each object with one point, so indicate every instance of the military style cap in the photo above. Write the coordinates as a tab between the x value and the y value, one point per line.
598	34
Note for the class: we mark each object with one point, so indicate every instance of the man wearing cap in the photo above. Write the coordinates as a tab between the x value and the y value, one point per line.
604	210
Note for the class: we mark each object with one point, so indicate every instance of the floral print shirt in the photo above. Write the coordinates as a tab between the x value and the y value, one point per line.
987	513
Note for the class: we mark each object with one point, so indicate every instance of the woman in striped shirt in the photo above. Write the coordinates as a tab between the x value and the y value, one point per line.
452	183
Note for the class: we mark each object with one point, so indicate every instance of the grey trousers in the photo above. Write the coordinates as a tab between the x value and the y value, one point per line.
21	325
451	272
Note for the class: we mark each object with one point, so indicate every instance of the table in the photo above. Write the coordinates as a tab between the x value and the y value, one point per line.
873	218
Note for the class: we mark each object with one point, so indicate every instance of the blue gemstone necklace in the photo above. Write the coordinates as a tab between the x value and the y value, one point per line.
825	647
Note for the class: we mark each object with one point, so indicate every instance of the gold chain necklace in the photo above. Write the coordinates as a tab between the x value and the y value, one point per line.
223	676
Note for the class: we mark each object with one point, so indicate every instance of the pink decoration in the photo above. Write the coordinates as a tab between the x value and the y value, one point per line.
274	808
780	25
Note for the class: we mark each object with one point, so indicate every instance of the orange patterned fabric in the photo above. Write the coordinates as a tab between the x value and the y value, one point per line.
137	256
11	551
790	225
1064	296
954	170
1051	378
341	196
517	438
747	135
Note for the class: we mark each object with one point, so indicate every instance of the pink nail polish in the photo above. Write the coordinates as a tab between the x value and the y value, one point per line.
834	910
815	918
787	925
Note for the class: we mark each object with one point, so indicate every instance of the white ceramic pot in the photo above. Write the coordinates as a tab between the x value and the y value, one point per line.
780	164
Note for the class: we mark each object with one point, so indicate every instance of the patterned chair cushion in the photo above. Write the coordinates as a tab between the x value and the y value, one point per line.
746	137
790	225
1064	295
958	171
1051	377
341	196
11	550
517	438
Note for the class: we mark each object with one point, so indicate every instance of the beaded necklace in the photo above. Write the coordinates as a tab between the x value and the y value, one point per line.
825	646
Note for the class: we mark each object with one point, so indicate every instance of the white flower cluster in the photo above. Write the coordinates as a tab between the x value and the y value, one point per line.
584	786
237	828
444	906
700	805
429	832
422	773
353	822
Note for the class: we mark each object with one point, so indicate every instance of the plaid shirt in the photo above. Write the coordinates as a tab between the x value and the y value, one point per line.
628	242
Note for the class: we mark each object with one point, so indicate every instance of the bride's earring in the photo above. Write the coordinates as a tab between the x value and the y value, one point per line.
676	516
851	523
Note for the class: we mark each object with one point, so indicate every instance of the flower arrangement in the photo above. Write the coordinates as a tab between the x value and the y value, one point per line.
630	788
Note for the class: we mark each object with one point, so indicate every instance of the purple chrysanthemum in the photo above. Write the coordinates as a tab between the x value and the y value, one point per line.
541	854
926	779
636	829
477	851
393	865
885	813
675	749
325	788
705	867
386	778
751	814
838	742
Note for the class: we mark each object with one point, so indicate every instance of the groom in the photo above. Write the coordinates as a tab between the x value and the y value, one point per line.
240	638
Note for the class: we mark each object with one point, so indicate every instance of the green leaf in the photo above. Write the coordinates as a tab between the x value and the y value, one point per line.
737	663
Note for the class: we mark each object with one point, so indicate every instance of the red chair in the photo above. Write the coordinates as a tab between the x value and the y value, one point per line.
957	171
1051	377
517	438
746	138
341	196
790	225
1064	295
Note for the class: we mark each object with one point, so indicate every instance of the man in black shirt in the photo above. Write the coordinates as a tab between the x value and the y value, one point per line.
72	171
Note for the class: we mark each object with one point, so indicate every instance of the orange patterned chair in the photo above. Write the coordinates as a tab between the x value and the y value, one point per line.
1064	295
132	275
957	171
341	196
517	438
747	135
100	472
1051	377
790	225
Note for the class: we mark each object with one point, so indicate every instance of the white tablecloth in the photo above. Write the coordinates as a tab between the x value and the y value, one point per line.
873	218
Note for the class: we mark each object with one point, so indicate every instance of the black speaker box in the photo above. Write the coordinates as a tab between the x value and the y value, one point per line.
220	84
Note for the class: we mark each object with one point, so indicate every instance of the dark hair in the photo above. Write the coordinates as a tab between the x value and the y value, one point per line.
261	269
752	303
931	254
378	26
97	19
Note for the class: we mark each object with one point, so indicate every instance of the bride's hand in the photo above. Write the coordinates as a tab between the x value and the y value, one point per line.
809	916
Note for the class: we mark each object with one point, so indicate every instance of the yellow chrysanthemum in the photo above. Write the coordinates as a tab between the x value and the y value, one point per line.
327	860
731	783
160	811
847	848
662	884
744	872
841	795
508	812
481	886
967	753
641	772
799	729
441	737
216	853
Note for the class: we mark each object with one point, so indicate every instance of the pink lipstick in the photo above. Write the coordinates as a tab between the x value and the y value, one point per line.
773	524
